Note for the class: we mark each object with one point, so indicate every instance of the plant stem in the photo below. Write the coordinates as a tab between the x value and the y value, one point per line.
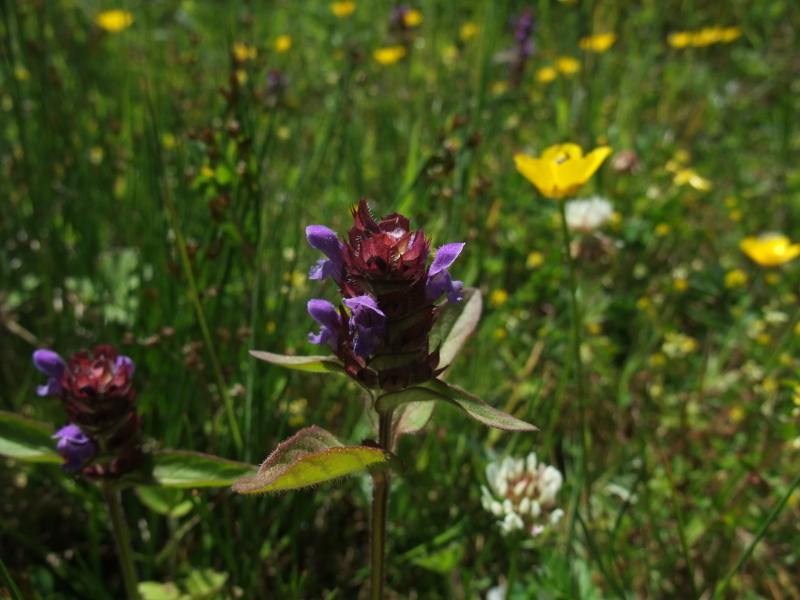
575	324
380	502
123	539
513	567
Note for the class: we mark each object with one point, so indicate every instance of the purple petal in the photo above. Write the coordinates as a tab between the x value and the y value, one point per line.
445	257
442	282
324	239
49	363
124	360
53	387
368	323
325	314
75	446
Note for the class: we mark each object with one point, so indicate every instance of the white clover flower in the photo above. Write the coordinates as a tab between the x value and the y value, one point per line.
586	216
497	593
522	494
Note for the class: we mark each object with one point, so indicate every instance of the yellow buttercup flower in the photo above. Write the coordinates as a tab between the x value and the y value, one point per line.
568	65
412	18
389	55
562	169
546	74
342	9
735	279
598	43
691	177
729	34
243	52
114	20
680	39
283	43
468	31
770	249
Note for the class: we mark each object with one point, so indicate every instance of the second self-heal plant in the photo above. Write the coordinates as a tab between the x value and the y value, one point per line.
400	324
102	442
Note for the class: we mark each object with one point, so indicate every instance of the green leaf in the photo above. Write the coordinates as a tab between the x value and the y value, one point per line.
184	469
413	417
154	590
478	409
311	457
439	390
164	500
314	364
25	439
455	323
442	561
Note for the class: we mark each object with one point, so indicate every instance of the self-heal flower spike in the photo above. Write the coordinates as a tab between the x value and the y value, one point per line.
99	397
75	446
562	169
389	290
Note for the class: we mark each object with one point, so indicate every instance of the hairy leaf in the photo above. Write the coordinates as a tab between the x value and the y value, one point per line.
455	323
412	417
314	364
25	439
184	469
311	457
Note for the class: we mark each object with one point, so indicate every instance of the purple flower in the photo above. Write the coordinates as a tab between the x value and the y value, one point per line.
74	446
52	365
439	279
368	324
324	239
325	314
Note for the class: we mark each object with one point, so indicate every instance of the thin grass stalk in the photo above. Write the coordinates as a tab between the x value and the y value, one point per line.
575	323
720	591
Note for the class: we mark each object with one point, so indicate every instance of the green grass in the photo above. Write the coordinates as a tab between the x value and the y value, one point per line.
125	174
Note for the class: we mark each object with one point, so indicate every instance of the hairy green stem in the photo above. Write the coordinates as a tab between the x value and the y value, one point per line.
123	539
575	328
380	502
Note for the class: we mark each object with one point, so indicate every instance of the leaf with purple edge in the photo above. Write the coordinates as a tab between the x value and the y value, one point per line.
312	364
313	456
454	324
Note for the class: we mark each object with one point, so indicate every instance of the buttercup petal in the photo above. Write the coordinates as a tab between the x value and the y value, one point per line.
562	152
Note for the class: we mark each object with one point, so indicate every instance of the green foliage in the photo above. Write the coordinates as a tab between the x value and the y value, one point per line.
26	439
690	349
182	469
311	457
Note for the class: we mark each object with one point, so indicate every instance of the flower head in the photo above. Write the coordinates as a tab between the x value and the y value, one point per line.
389	290
389	55
114	20
770	249
562	169
283	43
522	493
567	65
586	216
75	446
98	394
598	43
343	9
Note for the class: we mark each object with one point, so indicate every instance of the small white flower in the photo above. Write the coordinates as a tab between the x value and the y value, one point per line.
589	215
496	593
522	494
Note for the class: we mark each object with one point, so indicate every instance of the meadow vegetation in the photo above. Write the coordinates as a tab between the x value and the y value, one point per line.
159	165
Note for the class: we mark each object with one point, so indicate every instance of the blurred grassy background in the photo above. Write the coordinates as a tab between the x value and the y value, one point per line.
191	129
